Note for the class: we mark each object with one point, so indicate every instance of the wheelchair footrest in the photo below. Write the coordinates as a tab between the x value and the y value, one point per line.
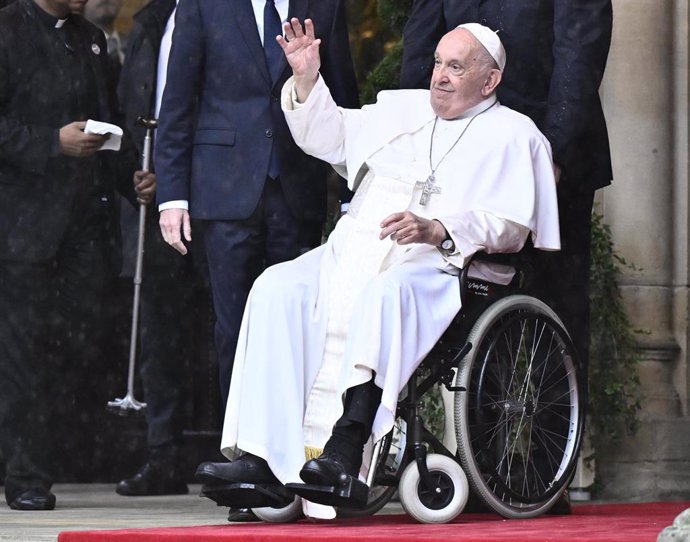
350	493
246	495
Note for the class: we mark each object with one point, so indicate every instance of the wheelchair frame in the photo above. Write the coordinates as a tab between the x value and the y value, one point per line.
499	486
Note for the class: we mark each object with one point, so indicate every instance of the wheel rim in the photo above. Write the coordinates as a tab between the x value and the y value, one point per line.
440	494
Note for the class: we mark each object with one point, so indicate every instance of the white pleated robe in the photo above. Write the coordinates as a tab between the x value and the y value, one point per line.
358	305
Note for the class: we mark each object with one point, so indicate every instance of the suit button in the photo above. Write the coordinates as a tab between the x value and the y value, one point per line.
269	132
274	99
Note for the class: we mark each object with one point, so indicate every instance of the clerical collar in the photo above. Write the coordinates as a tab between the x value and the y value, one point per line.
49	20
481	106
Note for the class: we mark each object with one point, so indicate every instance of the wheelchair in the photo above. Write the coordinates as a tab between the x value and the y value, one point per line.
513	374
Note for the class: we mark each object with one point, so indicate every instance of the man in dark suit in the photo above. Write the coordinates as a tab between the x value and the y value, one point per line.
557	53
54	210
224	154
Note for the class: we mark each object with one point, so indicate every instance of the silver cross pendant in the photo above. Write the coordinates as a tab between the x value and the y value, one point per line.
428	187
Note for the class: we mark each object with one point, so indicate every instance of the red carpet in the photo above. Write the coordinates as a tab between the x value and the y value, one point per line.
588	523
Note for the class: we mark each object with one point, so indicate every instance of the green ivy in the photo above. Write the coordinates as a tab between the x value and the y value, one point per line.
385	76
614	382
394	13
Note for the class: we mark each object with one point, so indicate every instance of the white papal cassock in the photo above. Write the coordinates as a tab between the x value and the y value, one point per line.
322	323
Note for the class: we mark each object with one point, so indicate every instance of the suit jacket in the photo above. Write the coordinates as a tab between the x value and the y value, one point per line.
137	86
37	183
221	117
556	53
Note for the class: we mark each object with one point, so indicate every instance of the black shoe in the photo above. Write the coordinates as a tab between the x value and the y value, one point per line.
330	480
153	479
329	469
245	469
33	499
241	515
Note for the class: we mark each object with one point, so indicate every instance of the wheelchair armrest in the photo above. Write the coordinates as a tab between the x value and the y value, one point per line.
521	262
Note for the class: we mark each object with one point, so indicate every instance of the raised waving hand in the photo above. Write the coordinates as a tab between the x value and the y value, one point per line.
301	49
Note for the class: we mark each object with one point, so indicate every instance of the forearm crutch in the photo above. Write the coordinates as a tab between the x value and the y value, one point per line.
128	405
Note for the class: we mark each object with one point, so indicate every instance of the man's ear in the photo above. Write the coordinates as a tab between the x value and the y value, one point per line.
492	81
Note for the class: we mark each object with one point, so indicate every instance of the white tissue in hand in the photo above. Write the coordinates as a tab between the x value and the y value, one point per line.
101	128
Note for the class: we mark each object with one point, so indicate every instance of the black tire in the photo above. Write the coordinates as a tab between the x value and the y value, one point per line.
519	423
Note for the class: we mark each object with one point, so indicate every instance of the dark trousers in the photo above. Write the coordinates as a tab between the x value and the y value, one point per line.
564	275
237	251
49	327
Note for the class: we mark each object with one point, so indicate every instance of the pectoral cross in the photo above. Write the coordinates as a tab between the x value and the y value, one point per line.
428	187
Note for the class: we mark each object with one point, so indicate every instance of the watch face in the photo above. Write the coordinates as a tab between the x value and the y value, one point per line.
447	244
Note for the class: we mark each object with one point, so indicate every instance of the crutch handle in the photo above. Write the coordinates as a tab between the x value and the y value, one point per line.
147	122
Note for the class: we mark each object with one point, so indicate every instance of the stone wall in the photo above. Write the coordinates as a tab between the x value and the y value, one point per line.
645	96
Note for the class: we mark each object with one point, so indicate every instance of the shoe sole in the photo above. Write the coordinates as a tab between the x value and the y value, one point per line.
45	506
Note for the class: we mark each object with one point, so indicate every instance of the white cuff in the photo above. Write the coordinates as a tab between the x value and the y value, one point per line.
175	204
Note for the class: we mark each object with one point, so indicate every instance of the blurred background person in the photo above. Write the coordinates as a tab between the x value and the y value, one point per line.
104	13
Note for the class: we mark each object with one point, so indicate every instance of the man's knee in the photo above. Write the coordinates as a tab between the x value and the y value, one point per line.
393	284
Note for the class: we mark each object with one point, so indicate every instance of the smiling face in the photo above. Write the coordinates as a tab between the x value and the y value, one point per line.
464	74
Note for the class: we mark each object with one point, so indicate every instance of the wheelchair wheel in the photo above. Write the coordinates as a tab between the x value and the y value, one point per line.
519	423
286	514
392	460
440	504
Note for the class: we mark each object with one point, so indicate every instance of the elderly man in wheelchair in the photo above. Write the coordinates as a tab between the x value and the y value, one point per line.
337	346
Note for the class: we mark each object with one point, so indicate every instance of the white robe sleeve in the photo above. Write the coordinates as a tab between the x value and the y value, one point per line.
476	231
514	195
307	121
